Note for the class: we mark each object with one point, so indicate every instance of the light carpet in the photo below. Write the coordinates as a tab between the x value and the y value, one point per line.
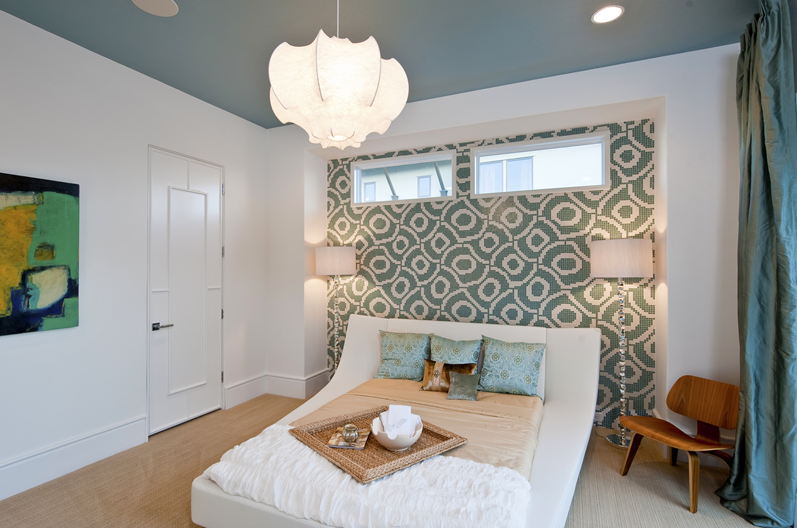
150	485
654	494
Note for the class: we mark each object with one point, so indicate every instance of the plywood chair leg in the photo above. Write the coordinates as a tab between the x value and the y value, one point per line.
673	456
631	453
694	480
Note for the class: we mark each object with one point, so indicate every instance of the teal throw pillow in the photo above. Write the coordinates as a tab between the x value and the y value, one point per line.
455	352
463	386
402	355
511	368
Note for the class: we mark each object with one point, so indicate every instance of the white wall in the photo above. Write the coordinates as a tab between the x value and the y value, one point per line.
315	288
691	96
74	396
294	223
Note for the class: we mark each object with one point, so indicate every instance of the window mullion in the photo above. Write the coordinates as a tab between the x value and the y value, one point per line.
531	183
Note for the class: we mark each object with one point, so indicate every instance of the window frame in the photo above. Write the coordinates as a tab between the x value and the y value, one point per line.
441	155
537	145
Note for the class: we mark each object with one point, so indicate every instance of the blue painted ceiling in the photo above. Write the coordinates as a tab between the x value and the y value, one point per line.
218	51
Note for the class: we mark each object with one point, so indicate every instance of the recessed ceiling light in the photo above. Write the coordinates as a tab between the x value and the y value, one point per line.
607	14
161	8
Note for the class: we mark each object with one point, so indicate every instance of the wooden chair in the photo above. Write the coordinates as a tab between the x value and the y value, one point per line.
711	403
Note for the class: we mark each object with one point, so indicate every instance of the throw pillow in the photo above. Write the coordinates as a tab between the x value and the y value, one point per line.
402	355
455	352
436	374
511	368
463	386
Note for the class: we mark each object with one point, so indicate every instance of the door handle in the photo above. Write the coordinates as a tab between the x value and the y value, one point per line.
158	326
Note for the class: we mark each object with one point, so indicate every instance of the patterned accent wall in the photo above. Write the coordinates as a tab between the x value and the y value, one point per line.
520	260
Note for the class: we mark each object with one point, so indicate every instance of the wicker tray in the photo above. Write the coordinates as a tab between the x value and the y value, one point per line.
374	461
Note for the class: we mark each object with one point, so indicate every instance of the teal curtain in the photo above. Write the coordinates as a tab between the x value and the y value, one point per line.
763	481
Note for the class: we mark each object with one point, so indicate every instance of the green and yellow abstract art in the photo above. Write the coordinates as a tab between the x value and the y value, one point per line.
39	250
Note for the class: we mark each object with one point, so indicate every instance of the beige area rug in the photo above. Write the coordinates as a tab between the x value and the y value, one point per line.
654	494
148	485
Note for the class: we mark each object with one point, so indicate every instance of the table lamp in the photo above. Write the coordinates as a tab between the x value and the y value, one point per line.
618	259
335	261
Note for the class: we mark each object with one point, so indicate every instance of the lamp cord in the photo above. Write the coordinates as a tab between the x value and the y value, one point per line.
337	33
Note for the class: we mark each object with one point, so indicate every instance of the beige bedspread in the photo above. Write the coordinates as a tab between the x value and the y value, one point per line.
501	429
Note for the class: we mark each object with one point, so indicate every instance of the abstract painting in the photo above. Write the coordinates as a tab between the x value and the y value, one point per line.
39	250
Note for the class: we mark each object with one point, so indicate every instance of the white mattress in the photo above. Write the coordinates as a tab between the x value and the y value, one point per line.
274	468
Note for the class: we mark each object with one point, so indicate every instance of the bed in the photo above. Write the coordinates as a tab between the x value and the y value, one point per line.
569	382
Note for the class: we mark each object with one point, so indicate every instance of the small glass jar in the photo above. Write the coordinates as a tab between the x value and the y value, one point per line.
350	433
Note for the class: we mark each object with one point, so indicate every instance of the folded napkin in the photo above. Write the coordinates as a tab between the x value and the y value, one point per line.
398	419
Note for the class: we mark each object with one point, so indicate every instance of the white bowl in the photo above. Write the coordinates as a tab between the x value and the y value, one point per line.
401	442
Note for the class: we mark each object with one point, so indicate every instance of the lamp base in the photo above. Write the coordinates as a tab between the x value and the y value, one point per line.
617	440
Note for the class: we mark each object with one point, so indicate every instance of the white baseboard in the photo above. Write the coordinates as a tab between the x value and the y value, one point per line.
316	383
244	391
282	385
30	470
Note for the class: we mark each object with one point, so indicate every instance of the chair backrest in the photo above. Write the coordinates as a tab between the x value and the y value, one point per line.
708	401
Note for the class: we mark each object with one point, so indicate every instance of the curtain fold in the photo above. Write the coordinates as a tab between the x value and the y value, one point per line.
763	481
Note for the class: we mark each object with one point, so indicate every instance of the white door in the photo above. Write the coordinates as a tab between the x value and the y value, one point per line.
185	301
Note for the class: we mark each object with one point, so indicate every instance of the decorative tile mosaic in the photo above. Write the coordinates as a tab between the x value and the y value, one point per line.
520	260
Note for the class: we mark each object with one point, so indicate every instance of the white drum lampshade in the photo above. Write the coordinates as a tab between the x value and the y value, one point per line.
336	90
335	260
621	257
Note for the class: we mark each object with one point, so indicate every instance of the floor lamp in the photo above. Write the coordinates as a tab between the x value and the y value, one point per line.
335	261
618	259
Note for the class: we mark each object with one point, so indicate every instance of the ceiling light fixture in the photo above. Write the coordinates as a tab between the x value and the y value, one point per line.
336	90
607	14
161	8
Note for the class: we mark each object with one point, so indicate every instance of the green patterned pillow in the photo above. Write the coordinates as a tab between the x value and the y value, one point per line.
511	368
402	355
455	352
463	386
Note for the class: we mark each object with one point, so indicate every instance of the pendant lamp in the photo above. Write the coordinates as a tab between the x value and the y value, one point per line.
336	90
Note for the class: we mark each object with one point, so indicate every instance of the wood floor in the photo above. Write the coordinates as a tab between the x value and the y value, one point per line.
150	485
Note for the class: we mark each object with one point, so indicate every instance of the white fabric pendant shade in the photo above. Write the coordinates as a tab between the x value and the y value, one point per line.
336	90
161	8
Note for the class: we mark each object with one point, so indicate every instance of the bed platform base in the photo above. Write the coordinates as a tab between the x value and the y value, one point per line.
571	369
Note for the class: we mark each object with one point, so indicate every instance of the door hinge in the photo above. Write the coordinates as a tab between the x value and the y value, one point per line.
222	188
222	376
222	313
222	251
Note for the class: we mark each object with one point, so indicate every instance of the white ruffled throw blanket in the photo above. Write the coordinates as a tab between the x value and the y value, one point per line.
275	468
